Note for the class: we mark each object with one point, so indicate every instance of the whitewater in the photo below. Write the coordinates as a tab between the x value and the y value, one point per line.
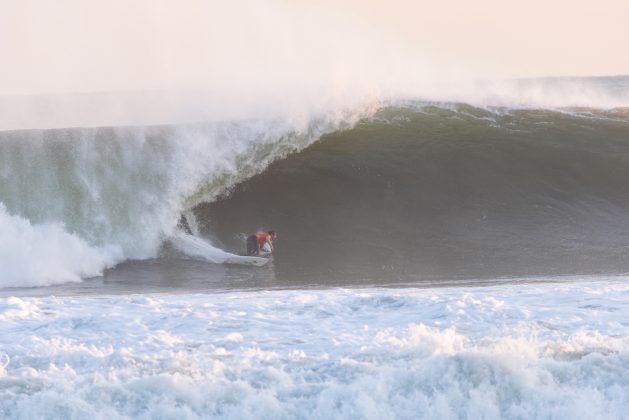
525	350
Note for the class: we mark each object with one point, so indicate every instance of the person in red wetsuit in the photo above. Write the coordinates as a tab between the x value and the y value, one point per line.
261	242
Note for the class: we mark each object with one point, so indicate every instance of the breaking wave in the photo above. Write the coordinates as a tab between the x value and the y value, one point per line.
396	189
116	193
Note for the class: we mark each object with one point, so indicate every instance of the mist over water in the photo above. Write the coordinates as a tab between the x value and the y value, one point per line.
152	63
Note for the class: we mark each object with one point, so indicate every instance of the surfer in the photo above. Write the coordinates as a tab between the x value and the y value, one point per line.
261	242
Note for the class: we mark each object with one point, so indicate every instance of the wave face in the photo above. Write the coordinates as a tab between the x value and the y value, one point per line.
446	190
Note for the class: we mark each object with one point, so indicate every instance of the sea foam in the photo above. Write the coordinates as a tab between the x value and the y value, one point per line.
44	254
513	351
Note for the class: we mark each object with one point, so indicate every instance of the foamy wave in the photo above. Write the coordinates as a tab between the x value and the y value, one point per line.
44	254
530	351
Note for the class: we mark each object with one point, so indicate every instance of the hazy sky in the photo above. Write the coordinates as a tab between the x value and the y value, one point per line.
62	46
508	37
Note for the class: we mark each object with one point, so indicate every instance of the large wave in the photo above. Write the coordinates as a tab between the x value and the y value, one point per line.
450	191
84	199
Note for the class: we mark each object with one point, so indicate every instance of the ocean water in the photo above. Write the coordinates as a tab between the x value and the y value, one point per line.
389	191
462	256
518	351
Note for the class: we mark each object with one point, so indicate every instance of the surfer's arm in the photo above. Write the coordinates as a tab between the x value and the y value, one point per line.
268	246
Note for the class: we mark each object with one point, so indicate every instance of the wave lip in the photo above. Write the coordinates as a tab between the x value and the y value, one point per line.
601	93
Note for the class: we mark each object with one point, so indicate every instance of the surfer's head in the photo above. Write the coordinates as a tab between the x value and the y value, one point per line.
273	234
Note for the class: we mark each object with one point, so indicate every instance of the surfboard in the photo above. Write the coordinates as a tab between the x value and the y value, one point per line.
245	260
194	246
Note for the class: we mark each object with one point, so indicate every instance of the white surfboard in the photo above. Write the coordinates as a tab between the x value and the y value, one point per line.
257	261
194	246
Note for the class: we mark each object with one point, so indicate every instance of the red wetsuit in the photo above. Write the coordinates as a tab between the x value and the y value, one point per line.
263	237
